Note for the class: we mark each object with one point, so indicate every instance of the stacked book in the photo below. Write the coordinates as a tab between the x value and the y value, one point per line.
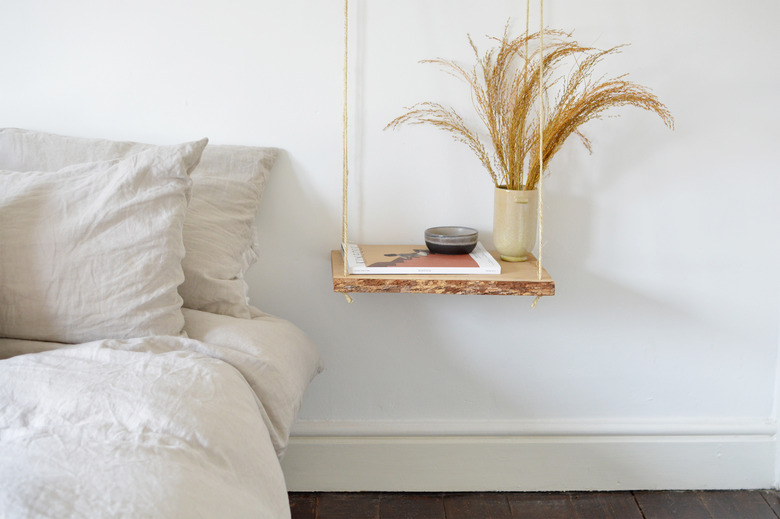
417	259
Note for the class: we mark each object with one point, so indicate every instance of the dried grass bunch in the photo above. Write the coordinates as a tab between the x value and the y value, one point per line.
506	85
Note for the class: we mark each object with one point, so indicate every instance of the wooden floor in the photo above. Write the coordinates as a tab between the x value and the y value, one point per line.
753	504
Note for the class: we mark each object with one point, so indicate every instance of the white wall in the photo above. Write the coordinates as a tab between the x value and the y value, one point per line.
661	342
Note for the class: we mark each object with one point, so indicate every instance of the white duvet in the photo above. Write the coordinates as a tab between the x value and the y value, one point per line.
154	427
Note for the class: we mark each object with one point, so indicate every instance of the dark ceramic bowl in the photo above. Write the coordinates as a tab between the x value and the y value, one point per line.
451	240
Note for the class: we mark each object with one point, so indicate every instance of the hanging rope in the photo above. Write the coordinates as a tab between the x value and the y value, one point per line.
540	201
541	135
344	148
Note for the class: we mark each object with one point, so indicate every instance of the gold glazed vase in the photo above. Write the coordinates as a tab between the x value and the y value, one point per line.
514	223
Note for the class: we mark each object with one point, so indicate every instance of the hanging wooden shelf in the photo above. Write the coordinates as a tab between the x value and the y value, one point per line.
516	279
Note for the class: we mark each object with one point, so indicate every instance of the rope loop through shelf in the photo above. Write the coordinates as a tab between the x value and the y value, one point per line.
345	143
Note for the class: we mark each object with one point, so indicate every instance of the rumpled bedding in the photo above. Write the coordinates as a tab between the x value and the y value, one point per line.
155	427
277	359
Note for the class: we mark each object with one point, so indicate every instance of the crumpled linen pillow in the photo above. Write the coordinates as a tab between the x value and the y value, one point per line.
93	251
220	237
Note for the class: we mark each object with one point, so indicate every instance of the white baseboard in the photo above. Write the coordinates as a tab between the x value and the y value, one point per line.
534	457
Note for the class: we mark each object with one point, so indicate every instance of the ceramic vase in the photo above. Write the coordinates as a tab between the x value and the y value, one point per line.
514	223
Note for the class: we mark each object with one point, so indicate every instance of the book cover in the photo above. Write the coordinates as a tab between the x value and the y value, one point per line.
417	259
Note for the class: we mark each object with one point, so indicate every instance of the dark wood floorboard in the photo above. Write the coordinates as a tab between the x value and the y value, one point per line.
361	505
412	506
772	497
725	505
541	505
749	504
303	505
672	505
468	505
612	505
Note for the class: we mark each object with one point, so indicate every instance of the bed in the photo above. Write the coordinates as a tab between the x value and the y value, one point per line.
136	378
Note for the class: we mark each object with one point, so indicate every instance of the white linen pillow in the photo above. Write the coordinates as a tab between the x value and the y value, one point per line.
93	251
214	279
220	234
228	184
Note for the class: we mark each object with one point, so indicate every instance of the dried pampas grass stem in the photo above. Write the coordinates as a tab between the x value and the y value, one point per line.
521	131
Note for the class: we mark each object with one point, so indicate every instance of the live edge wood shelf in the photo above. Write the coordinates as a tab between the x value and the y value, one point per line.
516	279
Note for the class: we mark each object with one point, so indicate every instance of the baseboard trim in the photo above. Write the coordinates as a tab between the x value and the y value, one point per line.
544	457
362	428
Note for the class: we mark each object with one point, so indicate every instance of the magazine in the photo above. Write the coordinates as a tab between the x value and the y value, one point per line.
417	259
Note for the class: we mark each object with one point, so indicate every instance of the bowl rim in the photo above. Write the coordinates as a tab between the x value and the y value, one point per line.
435	232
